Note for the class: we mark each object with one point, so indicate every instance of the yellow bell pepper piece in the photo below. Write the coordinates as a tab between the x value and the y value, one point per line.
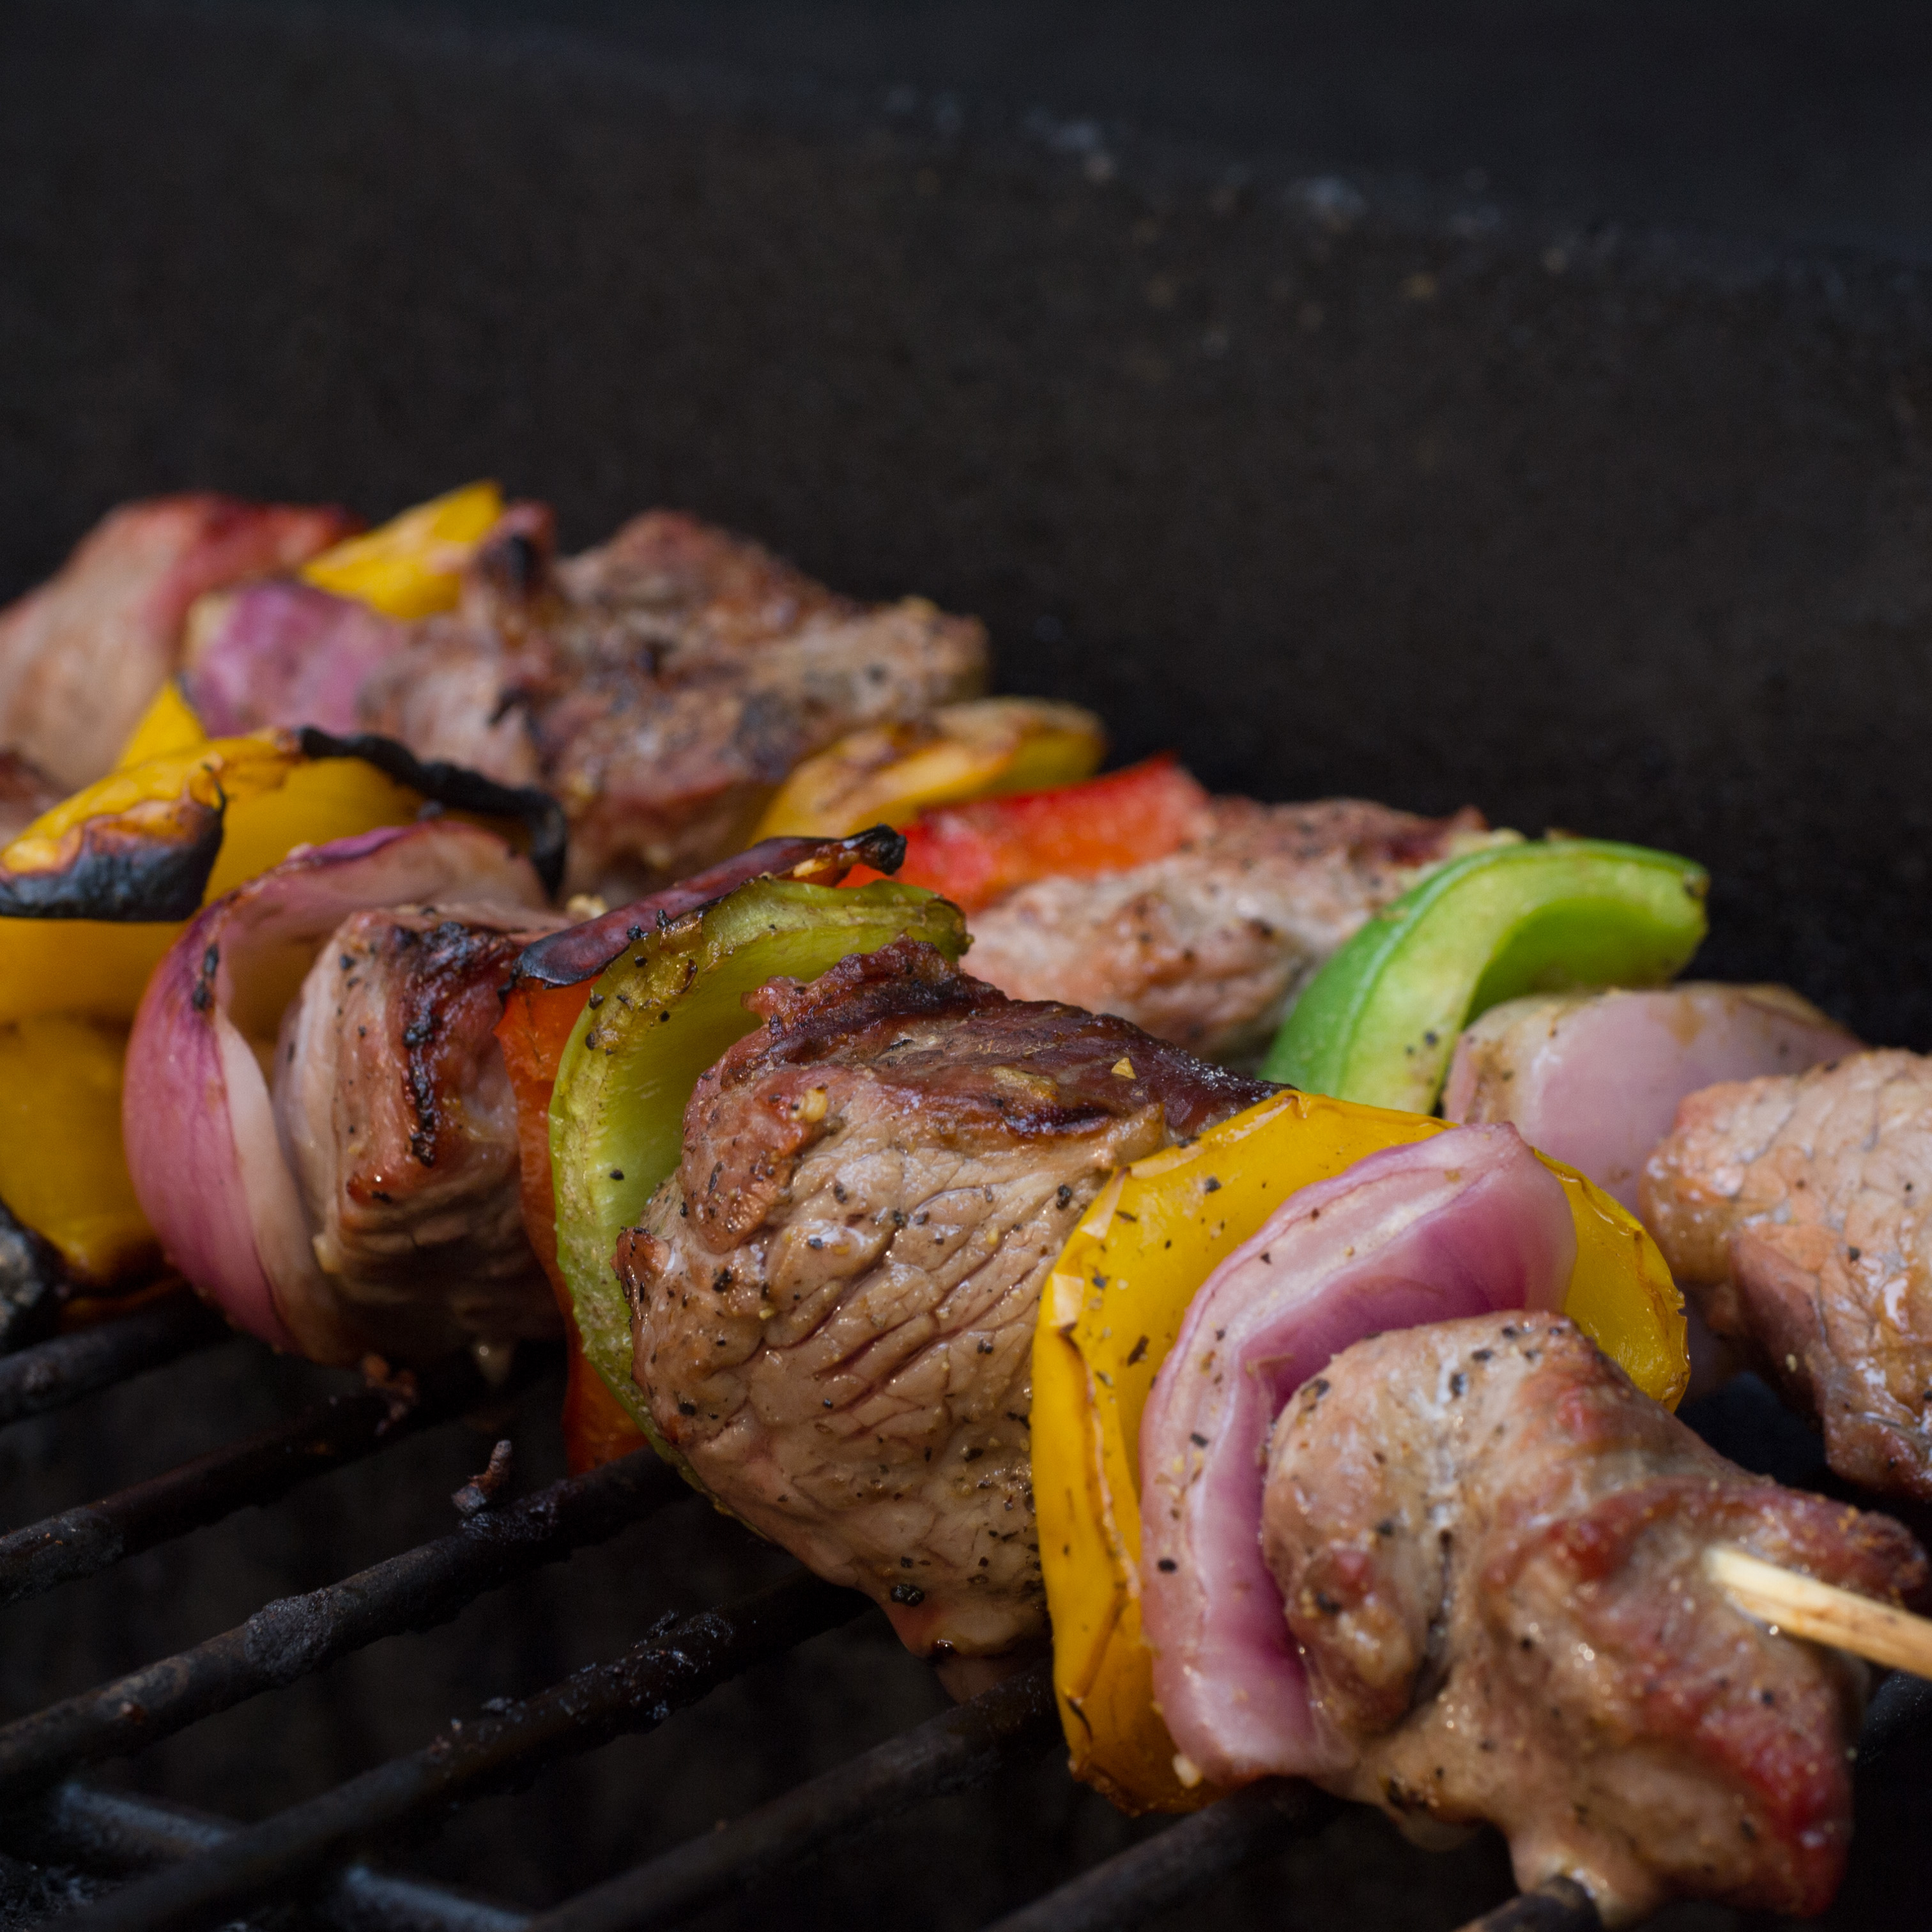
234	768
1153	1238
168	727
889	774
411	566
61	1169
276	800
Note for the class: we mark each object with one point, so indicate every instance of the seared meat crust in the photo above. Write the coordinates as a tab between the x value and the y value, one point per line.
397	1116
1209	947
1489	1548
1793	1210
833	1299
662	685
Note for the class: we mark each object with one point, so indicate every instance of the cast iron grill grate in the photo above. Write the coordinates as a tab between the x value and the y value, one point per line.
178	1867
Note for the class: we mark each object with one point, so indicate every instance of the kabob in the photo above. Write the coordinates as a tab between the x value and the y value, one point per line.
275	651
870	1273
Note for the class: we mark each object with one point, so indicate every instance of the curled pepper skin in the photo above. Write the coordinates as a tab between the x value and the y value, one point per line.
1110	1315
140	844
1378	1023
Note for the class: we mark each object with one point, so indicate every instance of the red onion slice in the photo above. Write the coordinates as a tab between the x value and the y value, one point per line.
1594	1078
196	1115
1463	1223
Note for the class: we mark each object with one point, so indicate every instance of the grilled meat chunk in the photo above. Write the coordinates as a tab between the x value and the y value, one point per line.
1209	947
1489	1548
1594	1077
833	1298
395	1113
661	686
1792	1210
699	670
82	657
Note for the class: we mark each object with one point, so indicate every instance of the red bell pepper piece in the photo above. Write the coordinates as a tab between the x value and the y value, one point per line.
975	853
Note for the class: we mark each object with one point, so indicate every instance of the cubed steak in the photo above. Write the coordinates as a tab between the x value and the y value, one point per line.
1209	947
396	1115
1793	1211
833	1299
660	685
1489	1548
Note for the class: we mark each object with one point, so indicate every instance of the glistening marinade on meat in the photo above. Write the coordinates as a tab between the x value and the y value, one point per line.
394	1112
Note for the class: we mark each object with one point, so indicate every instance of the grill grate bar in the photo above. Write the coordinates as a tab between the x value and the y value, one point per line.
1016	1720
119	1831
1557	1905
294	1635
674	1667
50	1374
1134	1885
258	1468
1900	1711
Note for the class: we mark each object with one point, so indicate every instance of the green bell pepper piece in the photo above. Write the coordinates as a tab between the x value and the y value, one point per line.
662	1012
1378	1023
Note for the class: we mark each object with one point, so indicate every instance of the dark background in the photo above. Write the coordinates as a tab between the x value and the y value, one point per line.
1529	403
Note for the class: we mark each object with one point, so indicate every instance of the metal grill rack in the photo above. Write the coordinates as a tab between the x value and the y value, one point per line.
183	1868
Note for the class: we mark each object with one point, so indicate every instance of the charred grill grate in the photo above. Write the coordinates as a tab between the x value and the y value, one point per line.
183	1868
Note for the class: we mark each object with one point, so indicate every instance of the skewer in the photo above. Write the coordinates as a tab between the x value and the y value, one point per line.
1799	1606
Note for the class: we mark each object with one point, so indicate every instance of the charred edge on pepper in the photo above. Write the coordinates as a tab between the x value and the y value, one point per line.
125	868
458	789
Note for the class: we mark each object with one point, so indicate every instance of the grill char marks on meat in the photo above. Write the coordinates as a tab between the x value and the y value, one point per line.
660	685
704	669
1490	1547
395	1111
1209	947
833	1299
1792	1209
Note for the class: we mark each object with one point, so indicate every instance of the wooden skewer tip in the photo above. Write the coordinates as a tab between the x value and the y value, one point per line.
1801	1606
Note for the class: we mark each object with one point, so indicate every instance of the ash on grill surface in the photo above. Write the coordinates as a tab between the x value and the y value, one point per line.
30	1894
